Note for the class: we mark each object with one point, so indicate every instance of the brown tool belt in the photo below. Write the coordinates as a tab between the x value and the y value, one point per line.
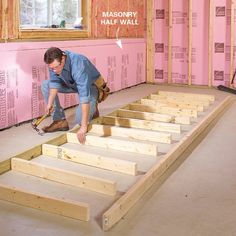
103	90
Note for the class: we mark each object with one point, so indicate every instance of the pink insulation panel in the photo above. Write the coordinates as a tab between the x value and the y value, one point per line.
22	70
200	41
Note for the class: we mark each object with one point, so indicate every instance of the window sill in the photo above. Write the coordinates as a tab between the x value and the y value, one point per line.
55	33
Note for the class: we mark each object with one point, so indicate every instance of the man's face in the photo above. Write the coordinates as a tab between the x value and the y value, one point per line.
57	66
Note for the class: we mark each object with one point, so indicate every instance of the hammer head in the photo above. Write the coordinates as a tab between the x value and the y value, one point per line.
37	122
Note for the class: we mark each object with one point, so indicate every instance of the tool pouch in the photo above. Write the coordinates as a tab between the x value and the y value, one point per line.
103	89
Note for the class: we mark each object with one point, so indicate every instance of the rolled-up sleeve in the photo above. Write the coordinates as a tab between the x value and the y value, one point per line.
82	80
54	81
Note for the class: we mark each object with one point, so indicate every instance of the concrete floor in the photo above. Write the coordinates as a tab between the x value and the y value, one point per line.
196	196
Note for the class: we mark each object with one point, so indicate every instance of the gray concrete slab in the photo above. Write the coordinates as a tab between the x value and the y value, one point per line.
196	196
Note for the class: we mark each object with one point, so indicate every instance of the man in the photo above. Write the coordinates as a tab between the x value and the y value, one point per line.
70	73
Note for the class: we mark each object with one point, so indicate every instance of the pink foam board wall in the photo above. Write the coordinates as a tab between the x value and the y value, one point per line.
22	71
200	40
161	40
180	42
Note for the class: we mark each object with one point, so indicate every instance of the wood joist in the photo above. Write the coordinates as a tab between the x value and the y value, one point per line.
124	154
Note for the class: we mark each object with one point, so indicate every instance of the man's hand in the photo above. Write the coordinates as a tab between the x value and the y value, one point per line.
49	109
81	134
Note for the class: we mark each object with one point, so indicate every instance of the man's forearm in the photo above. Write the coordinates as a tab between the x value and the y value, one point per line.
85	107
52	94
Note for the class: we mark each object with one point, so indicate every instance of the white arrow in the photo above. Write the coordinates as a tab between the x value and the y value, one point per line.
118	41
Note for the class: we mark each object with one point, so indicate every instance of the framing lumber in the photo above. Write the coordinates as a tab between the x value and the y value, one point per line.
90	159
141	124
144	115
64	207
170	32
190	41
116	144
164	110
171	98
232	36
204	100
150	41
65	177
139	134
164	103
5	166
211	98
185	120
123	204
210	42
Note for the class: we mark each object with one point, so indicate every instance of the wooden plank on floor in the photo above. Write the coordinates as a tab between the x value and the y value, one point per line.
142	124
185	120
181	100
64	207
5	166
203	100
123	204
95	160
139	134
66	177
189	95
144	115
116	144
163	110
163	103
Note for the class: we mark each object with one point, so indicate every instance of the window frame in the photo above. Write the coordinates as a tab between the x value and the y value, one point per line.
56	33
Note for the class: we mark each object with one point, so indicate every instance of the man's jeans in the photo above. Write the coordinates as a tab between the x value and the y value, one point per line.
58	113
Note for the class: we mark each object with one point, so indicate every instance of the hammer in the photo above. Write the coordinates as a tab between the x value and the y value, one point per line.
37	122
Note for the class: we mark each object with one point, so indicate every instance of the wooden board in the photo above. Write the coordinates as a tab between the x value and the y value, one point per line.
91	159
64	207
123	204
116	144
132	133
62	176
163	110
141	124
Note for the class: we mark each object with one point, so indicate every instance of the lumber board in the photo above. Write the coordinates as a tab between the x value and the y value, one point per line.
163	110
189	95
184	120
90	159
142	124
232	39
164	103
183	100
64	207
150	41
30	153
116	144
144	115
210	41
190	40
123	204
170	40
132	133
5	166
66	177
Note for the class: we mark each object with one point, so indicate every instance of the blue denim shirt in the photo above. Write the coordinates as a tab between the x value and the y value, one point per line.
78	73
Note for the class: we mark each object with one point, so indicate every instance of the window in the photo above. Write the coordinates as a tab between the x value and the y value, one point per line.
54	19
50	13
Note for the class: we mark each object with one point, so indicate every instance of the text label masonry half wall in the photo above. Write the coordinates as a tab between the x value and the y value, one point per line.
202	29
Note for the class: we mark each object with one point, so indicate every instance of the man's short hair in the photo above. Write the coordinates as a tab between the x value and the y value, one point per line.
52	54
